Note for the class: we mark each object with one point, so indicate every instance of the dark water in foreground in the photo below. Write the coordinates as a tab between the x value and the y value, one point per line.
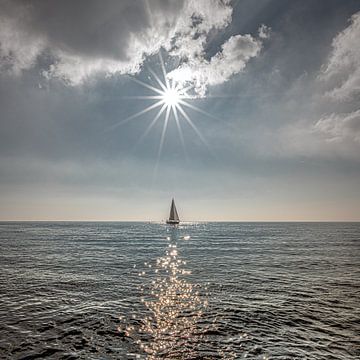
202	291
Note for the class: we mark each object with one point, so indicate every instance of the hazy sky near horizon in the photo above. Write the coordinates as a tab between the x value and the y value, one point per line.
279	79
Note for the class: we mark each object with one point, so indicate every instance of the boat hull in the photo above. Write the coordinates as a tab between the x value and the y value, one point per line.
172	222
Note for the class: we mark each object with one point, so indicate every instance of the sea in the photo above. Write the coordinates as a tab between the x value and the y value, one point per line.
136	290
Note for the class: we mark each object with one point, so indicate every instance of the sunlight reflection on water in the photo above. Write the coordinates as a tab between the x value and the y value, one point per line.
284	290
174	306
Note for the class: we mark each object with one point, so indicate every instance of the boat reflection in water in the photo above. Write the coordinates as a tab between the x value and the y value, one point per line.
172	328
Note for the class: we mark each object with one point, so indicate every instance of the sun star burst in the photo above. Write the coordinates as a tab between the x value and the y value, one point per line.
170	100
171	97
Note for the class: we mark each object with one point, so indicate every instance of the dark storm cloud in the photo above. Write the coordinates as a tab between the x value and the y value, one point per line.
84	36
88	37
93	28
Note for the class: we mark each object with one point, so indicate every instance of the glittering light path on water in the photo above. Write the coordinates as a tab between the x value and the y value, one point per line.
176	324
174	307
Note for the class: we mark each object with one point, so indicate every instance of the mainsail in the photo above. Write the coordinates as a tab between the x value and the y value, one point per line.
174	217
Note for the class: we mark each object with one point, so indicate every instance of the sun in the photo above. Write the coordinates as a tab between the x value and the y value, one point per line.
170	98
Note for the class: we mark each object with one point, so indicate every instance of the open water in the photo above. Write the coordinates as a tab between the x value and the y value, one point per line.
199	291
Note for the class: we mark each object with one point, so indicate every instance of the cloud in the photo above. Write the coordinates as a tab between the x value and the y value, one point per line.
74	41
341	74
327	121
189	45
19	49
82	39
264	32
340	127
198	18
341	77
230	60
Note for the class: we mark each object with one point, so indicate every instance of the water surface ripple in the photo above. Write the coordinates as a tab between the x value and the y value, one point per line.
242	290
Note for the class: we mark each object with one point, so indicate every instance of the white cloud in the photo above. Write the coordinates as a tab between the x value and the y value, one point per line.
329	123
230	60
264	31
208	13
340	127
18	49
341	74
341	78
189	44
116	37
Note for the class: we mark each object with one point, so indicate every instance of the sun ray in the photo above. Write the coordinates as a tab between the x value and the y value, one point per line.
162	140
185	89
147	85
144	97
164	71
158	79
156	118
185	103
181	135
170	97
149	108
187	118
163	133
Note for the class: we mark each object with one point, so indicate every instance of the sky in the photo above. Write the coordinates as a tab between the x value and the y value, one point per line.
271	123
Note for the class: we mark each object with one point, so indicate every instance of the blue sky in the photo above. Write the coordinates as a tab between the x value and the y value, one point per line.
279	80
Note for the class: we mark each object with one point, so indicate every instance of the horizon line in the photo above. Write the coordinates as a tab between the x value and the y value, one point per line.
189	221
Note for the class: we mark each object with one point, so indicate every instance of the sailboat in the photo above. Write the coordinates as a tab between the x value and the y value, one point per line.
174	217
